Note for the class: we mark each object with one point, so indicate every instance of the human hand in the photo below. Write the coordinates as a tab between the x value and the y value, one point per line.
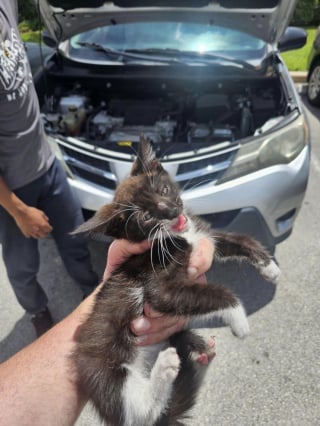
154	327
33	223
119	251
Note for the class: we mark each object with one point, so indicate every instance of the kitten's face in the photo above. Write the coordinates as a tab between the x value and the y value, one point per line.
146	205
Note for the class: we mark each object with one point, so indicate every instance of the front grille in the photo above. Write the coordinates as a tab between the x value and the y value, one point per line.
202	169
88	167
97	163
205	171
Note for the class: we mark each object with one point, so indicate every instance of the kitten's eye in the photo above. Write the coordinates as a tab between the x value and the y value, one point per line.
165	190
147	217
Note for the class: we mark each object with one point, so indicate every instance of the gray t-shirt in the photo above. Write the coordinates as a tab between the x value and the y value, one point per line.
25	153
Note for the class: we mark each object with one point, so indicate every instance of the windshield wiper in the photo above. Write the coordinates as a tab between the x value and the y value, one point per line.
123	55
202	57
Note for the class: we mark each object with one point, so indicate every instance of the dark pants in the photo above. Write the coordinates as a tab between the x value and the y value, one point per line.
52	194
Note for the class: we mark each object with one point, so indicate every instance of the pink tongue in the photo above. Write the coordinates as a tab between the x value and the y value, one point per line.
180	224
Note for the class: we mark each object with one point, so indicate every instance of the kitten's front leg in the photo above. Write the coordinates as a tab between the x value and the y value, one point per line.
233	245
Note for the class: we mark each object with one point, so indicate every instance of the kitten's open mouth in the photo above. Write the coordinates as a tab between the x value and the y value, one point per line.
179	224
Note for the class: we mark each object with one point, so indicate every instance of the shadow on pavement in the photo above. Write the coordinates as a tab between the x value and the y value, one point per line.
245	281
20	336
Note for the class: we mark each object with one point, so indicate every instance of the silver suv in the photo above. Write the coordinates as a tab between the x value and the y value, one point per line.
204	81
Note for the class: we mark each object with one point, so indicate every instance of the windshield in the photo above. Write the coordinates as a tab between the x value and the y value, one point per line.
155	37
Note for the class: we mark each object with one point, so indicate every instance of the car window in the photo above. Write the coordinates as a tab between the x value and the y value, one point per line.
169	35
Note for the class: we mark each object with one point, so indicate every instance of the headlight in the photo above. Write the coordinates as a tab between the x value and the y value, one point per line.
279	147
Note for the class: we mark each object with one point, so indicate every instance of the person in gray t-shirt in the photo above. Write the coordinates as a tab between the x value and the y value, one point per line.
35	198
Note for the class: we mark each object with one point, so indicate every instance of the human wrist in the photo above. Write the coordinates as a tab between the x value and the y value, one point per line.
14	206
17	209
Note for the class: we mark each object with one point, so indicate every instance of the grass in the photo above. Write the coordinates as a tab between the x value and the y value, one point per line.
27	34
296	60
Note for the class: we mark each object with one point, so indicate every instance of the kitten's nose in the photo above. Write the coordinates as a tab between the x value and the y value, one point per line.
169	212
173	212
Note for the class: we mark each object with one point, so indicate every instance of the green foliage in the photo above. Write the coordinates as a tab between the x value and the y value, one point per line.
305	12
28	13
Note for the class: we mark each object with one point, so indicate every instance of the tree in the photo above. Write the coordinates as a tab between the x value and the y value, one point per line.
304	12
28	12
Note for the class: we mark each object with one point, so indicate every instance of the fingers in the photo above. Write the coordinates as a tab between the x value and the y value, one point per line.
201	258
151	331
154	327
36	232
34	223
119	251
41	231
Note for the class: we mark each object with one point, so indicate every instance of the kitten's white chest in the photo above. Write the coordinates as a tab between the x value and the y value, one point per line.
192	234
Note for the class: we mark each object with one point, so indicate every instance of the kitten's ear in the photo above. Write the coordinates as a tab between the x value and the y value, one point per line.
146	161
103	222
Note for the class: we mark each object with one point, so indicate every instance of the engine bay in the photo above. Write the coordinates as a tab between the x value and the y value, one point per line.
106	114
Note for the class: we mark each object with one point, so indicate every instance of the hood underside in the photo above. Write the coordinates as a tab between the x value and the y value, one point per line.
264	19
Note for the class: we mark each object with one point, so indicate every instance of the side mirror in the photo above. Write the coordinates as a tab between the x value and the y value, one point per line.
293	38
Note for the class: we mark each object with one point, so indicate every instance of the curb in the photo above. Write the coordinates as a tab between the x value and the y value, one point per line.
299	76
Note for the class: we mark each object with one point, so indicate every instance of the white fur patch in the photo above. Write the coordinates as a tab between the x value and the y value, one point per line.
193	235
235	317
270	272
148	386
136	296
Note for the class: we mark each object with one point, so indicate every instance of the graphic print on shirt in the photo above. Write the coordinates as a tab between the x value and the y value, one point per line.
15	74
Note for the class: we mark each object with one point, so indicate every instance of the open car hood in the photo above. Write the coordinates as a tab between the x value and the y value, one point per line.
264	19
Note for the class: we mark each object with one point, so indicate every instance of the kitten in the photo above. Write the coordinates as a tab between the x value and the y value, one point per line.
155	385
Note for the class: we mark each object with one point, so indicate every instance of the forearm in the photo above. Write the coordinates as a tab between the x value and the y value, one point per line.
9	200
38	384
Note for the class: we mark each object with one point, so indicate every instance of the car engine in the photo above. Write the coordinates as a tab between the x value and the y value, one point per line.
174	117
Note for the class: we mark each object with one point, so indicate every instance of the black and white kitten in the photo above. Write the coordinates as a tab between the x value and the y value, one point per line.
155	385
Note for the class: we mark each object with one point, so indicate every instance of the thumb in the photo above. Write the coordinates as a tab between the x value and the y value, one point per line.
119	251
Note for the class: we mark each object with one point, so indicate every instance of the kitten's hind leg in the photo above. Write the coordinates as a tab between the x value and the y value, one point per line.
145	399
206	301
233	245
192	350
191	345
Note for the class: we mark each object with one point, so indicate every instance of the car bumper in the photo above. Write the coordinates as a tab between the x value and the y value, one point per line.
264	204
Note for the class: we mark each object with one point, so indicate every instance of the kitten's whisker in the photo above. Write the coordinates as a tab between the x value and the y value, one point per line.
195	185
138	222
152	236
173	241
171	257
134	213
151	256
154	241
163	250
129	205
167	253
113	216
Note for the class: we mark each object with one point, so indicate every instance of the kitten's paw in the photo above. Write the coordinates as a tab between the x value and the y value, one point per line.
271	271
168	364
205	355
239	322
